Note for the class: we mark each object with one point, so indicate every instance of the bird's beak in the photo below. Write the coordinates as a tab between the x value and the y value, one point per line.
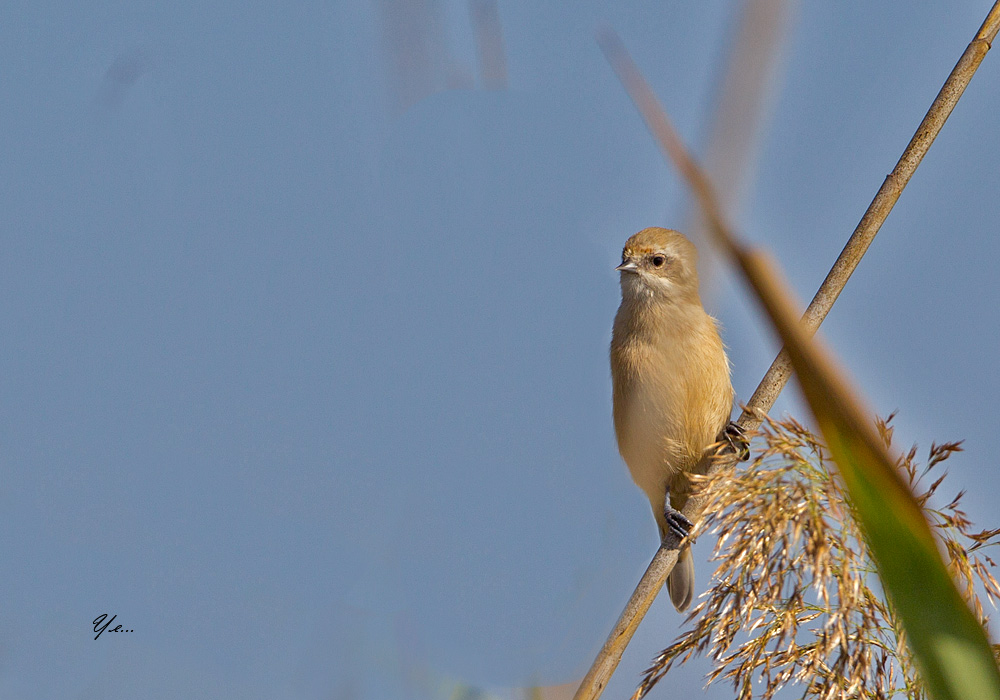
628	266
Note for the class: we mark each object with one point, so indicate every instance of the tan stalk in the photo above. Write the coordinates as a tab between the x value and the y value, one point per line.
742	104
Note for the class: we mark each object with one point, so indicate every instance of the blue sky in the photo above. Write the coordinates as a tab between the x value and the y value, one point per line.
312	391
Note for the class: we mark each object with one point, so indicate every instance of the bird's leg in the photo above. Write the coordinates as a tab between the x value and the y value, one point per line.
677	523
737	440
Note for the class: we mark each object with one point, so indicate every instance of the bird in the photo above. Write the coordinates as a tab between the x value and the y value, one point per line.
671	386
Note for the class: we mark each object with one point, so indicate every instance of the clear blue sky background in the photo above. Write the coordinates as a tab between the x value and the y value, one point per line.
314	395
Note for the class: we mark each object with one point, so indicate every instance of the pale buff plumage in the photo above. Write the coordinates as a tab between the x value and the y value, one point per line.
672	391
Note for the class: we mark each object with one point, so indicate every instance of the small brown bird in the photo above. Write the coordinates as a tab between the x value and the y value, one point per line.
672	392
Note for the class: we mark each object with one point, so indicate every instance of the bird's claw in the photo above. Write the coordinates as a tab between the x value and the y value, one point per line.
677	523
738	441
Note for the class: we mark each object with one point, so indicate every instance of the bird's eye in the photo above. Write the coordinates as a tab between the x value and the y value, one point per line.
659	260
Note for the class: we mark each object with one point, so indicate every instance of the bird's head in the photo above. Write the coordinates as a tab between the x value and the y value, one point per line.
659	264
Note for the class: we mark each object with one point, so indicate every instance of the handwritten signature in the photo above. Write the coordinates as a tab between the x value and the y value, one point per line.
101	623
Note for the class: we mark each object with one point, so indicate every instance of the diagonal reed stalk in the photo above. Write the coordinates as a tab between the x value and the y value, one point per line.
744	91
777	375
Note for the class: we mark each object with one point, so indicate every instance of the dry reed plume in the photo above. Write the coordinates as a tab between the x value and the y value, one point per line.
795	596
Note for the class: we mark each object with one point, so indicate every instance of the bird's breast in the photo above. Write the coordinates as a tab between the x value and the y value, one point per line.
672	397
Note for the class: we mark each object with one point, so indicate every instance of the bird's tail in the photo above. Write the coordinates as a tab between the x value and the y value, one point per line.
680	583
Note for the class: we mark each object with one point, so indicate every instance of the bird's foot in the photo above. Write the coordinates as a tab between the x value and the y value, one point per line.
737	440
677	523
